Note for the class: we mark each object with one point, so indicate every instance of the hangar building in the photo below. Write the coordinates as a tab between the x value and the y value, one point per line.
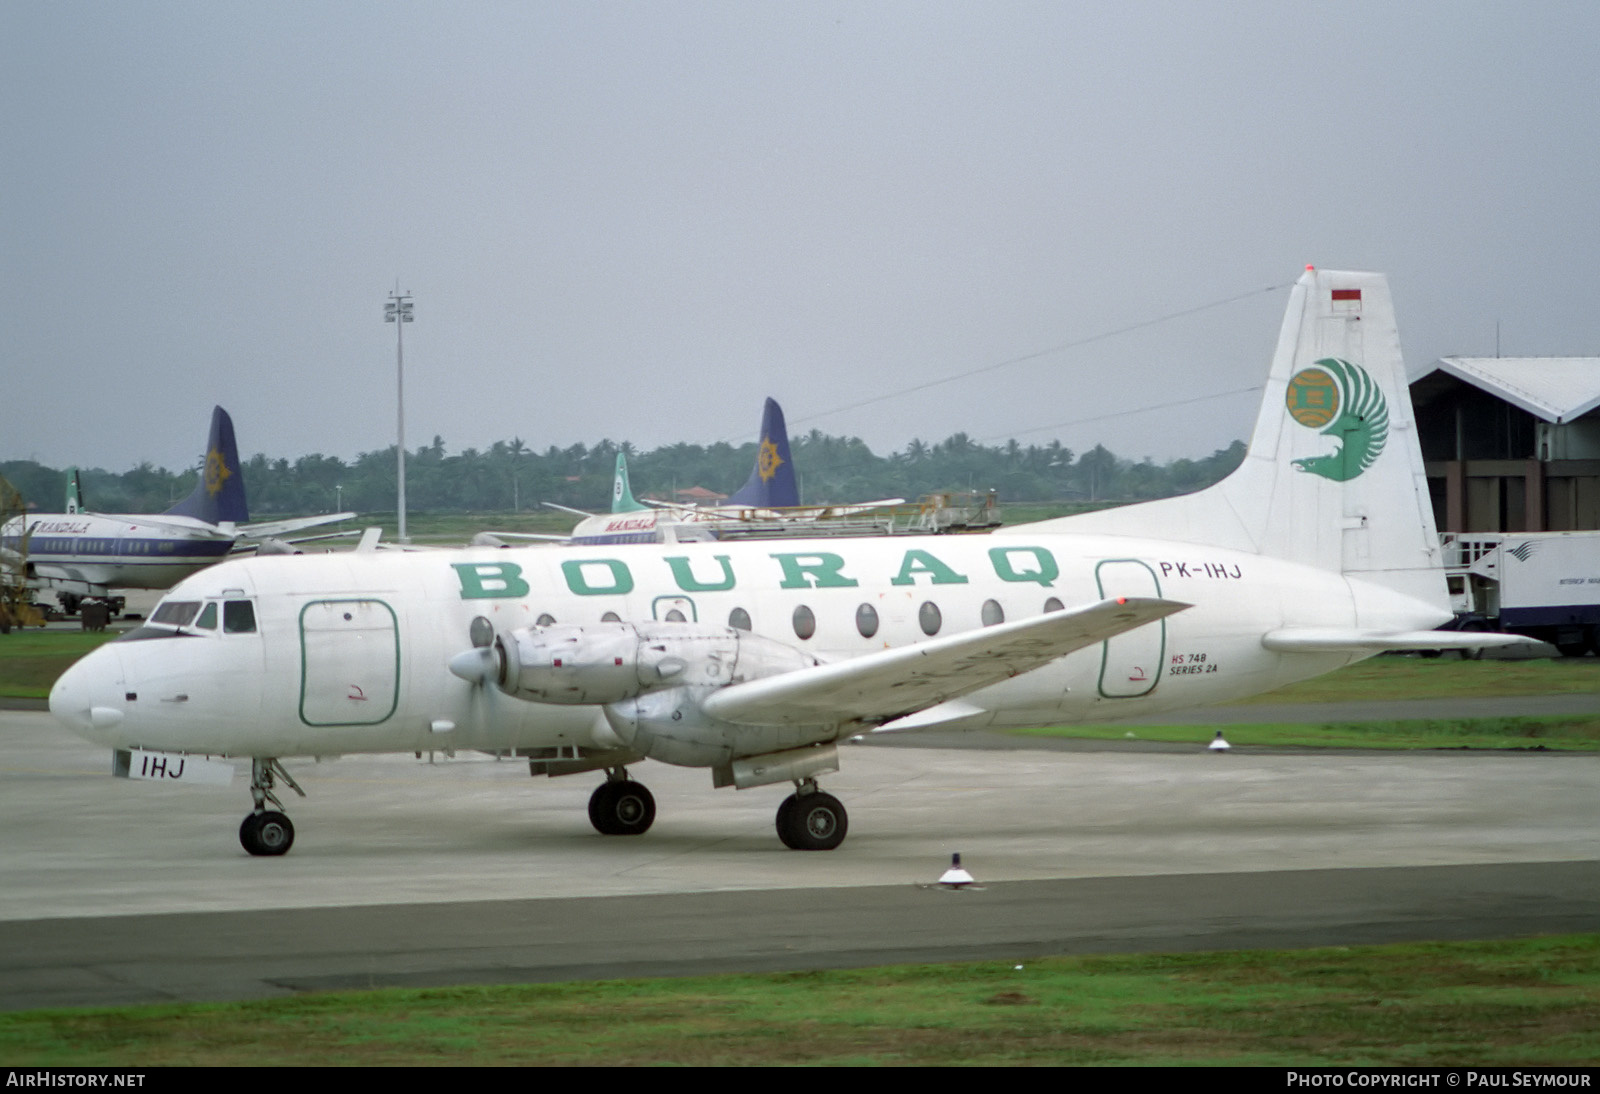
1511	444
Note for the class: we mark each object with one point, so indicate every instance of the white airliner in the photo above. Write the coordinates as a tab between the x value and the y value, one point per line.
80	554
771	486
754	659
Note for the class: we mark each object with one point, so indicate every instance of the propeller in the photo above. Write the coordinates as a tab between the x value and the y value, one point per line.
480	667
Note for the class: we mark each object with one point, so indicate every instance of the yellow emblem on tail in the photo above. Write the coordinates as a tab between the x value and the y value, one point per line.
217	472
767	460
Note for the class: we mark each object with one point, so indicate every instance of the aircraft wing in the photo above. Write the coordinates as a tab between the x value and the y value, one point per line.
895	682
271	529
497	539
825	511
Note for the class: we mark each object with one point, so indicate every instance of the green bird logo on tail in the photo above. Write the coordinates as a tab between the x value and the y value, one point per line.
1342	401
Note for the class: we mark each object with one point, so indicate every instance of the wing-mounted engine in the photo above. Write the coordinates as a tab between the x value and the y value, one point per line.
651	680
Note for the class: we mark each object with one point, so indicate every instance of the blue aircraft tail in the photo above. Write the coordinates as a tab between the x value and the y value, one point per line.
772	483
219	495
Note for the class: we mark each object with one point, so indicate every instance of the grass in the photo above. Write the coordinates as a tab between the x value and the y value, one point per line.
1554	733
31	660
1388	678
1506	1003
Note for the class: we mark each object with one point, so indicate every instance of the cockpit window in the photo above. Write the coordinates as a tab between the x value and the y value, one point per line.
238	617
140	634
208	617
176	613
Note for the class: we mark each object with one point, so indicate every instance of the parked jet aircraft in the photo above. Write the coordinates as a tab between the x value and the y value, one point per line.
754	659
81	554
771	486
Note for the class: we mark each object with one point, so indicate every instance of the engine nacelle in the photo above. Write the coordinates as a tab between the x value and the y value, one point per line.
650	678
577	664
671	726
269	545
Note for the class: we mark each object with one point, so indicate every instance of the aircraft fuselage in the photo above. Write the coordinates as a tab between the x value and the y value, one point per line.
349	653
101	551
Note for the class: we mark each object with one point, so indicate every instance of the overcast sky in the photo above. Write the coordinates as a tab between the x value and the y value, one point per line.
637	220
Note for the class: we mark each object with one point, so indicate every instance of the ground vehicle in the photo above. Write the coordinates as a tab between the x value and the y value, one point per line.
1542	584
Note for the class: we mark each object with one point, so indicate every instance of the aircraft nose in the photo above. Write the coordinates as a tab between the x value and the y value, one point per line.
83	698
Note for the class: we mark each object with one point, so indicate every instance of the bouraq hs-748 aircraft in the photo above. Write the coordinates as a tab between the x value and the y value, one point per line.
80	554
754	659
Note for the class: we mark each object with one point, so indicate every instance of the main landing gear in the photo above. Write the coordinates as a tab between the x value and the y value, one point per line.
621	807
267	831
809	820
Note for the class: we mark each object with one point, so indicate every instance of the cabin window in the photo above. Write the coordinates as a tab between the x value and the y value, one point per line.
1052	605
177	613
930	619
545	619
611	617
993	613
867	620
675	616
739	619
208	617
805	624
238	617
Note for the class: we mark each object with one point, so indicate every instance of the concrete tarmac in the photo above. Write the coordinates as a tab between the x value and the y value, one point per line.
468	871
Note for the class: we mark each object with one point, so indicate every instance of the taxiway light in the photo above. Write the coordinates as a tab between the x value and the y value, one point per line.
956	877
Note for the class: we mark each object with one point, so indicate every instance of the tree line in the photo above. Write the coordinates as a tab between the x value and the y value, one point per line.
509	476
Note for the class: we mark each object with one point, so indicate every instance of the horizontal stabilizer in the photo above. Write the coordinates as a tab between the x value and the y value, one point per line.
1340	639
190	528
896	682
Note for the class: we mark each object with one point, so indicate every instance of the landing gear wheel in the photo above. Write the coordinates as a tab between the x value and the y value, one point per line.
621	808
812	822
266	833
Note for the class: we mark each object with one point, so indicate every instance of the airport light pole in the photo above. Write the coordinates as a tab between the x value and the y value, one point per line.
398	312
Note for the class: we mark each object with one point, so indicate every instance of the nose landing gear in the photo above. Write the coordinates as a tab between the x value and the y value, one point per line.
267	831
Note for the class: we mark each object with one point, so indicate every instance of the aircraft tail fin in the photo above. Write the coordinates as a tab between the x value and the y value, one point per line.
772	484
74	492
622	499
219	495
1333	477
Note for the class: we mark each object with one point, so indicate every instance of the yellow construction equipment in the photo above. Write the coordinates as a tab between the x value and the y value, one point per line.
16	599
